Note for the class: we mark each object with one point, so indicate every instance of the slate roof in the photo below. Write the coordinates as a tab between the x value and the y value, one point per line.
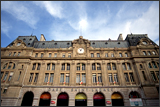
109	43
52	44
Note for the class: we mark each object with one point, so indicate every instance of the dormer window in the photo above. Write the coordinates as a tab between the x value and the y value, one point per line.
93	43
55	43
28	43
30	39
144	42
24	39
43	44
67	43
106	43
19	43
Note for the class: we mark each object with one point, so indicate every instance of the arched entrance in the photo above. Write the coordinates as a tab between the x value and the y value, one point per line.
135	99
117	99
45	99
62	99
99	99
80	99
27	99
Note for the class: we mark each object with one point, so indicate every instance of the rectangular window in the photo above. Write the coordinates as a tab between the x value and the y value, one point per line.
19	76
106	54
51	77
48	66
62	78
128	66
55	55
77	78
78	67
153	76
126	54
2	74
120	54
10	76
94	78
124	66
67	78
98	55
36	77
39	65
63	55
19	53
53	66
63	67
14	54
144	75
46	77
5	76
83	78
36	55
50	54
83	66
115	78
100	78
98	67
131	77
69	55
41	55
92	55
126	77
68	66
31	77
110	77
112	55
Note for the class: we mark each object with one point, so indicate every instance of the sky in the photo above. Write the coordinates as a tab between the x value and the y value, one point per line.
67	20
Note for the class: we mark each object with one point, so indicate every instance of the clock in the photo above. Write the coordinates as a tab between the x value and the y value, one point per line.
80	50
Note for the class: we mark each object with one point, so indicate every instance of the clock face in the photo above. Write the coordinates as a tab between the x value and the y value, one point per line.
80	50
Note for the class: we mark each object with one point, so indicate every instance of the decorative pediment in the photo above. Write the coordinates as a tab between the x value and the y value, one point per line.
17	44
144	42
81	41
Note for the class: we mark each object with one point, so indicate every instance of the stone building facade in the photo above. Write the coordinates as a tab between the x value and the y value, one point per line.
80	72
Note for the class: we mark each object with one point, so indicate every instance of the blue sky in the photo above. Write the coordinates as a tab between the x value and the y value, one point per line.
67	20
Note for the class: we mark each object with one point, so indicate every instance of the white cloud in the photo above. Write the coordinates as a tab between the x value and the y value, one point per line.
5	27
20	11
53	8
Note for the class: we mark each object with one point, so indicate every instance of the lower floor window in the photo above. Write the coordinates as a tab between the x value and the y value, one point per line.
113	77
155	75
80	77
129	77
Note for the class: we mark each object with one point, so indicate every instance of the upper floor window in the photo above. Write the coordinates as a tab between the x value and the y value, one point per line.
141	66
98	55
36	65
63	55
9	65
80	66
126	54
14	53
41	55
69	55
149	53
10	53
144	42
144	53
36	55
111	66
55	55
92	55
65	66
154	53
50	66
126	66
153	64
19	43
112	55
106	54
120	54
50	54
19	53
96	66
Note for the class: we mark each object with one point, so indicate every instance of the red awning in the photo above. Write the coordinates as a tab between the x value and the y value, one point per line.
63	96
98	96
45	96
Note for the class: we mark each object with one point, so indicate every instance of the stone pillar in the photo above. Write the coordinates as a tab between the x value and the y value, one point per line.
35	102
89	102
41	74
104	75
72	80
121	74
71	102
135	73
57	73
88	74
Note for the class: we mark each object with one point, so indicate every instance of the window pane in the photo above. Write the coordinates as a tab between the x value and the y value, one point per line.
131	77
41	54
154	65
83	66
36	55
48	66
53	66
144	53
51	78
153	76
92	55
62	78
10	64
67	78
9	79
149	53
124	66
5	76
14	54
19	53
36	77
84	78
98	55
55	55
115	78
120	54
63	66
94	78
13	66
113	66
31	77
50	54
154	53
110	78
128	66
126	77
106	54
46	77
99	78
68	66
149	65
2	74
77	78
109	66
34	66
93	67
126	54
39	65
98	66
144	75
19	76
5	66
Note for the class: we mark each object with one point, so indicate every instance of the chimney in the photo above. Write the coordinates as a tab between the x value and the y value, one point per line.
42	38
120	37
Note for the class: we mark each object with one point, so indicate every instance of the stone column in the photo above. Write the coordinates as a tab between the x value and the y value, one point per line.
72	80
88	74
104	75
57	73
41	74
121	74
135	73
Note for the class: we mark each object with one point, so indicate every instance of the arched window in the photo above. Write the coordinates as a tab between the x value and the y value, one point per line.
141	66
109	66
83	66
113	66
144	53
53	66
68	66
63	66
78	66
36	65
9	65
39	65
48	66
134	95
149	64
153	64
96	66
126	66
93	66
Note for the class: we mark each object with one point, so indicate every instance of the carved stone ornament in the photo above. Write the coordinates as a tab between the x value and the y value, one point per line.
81	41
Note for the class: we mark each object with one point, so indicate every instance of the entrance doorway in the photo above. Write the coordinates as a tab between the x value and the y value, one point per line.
80	99
45	99
99	100
27	99
62	99
117	99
